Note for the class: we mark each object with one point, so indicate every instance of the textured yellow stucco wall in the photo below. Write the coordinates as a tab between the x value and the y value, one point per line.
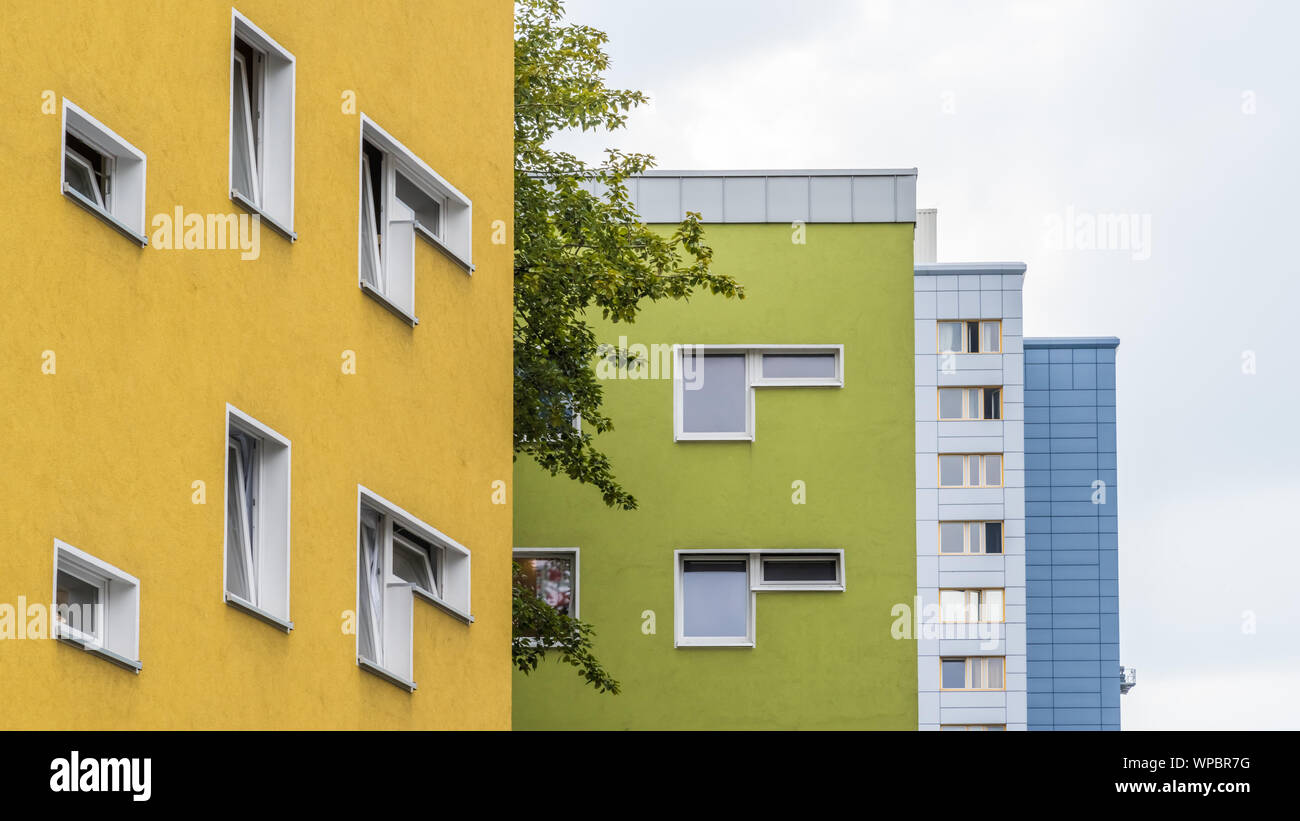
151	344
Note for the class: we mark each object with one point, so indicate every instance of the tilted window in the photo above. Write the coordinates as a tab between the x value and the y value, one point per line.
262	88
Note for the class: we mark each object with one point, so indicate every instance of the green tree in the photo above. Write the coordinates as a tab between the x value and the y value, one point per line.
578	254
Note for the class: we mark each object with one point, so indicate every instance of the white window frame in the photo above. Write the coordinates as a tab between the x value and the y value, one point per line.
274	165
550	552
760	381
753	380
273	521
76	156
395	632
453	237
127	170
761	583
754	582
117	637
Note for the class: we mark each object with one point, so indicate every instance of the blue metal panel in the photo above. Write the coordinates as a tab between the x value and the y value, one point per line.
1072	566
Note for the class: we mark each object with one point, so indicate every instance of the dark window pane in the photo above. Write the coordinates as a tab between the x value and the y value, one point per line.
801	570
992	403
973	337
992	537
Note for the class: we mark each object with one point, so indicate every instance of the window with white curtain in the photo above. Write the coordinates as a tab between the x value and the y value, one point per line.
970	470
401	559
970	336
973	673
402	198
257	519
970	403
96	606
970	537
262	88
971	606
972	727
716	602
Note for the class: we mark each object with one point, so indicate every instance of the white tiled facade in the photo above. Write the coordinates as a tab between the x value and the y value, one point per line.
967	292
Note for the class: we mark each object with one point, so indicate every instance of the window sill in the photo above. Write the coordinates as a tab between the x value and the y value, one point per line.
687	644
258	613
455	612
104	653
121	227
391	678
433	240
247	204
389	304
794	382
679	436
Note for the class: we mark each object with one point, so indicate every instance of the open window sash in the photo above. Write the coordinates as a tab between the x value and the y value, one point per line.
243	143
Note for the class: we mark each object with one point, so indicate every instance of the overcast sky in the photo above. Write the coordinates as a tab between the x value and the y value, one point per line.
1020	114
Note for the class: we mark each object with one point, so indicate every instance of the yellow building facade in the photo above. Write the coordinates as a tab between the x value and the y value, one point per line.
278	500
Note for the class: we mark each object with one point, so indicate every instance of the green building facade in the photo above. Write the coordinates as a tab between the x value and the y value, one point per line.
770	445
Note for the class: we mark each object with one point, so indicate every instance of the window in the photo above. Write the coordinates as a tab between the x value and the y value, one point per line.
971	606
261	124
970	537
713	392
553	575
399	559
716	605
970	470
96	606
716	401
972	727
800	571
970	403
401	198
257	519
715	590
103	173
970	336
800	368
974	673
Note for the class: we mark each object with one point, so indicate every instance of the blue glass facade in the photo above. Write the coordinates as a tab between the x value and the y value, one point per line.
1072	548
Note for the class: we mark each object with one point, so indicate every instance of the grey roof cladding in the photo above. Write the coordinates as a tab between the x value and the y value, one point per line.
1071	342
776	196
952	268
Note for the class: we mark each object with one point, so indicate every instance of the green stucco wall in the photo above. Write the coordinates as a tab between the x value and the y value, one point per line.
823	659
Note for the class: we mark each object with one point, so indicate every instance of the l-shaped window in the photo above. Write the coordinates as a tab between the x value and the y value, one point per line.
402	197
399	559
713	385
715	590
